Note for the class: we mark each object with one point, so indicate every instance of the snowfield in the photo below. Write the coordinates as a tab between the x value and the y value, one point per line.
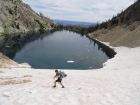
117	83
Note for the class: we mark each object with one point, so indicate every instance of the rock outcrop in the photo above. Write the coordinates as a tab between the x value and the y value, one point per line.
18	17
5	62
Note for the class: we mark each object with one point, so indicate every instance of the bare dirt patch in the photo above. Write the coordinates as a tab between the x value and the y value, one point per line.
14	82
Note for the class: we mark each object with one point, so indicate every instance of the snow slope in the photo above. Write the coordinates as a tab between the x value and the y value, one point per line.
118	83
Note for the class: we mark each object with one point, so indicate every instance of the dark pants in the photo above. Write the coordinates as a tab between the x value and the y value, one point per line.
59	80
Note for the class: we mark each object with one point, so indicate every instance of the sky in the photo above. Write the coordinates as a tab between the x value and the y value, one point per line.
79	10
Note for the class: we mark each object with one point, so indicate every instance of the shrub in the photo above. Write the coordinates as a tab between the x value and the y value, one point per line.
6	33
17	26
41	30
40	24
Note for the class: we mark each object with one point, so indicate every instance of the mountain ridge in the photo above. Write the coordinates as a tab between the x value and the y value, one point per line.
122	30
18	17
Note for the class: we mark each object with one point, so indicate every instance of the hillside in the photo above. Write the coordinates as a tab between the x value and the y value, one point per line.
121	30
18	17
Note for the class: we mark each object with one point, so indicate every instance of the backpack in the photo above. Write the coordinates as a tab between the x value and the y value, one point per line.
62	74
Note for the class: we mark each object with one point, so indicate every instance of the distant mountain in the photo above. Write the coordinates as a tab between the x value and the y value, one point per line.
76	23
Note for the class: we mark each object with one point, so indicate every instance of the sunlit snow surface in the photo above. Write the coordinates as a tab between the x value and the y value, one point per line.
118	83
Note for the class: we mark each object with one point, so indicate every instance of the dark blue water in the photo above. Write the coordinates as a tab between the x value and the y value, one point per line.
53	52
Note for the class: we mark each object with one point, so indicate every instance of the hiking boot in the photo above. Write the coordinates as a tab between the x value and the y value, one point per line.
63	87
54	86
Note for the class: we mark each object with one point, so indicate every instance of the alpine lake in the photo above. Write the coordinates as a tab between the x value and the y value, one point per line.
62	50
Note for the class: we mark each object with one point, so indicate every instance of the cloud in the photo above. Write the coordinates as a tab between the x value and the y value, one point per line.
79	10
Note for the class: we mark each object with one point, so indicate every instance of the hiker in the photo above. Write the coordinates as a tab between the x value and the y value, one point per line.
59	79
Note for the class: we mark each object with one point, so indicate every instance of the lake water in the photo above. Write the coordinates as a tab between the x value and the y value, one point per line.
54	50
